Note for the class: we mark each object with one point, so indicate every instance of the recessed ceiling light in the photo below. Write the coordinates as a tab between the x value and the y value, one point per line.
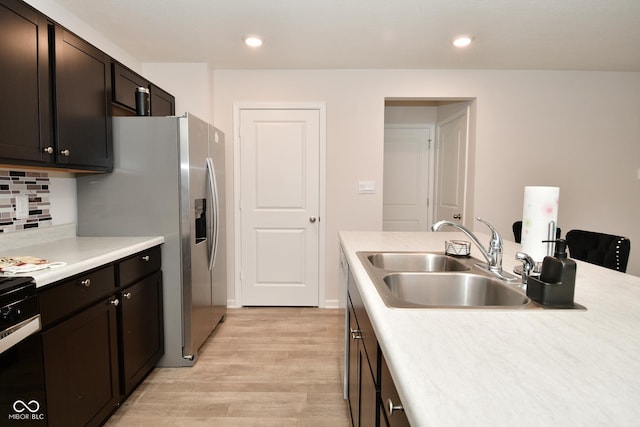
253	41
462	41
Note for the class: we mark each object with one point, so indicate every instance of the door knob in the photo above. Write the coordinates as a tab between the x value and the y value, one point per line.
312	219
457	216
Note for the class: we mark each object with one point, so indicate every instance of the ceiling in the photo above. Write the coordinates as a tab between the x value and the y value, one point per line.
315	34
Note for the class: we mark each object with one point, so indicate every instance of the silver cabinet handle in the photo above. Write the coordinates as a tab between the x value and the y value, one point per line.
65	153
126	295
86	283
114	302
145	258
391	407
48	150
312	219
457	216
356	334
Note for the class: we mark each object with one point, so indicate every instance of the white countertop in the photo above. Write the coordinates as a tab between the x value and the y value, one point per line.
79	253
509	367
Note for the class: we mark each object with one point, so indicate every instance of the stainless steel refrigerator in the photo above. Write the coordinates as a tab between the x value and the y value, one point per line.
168	180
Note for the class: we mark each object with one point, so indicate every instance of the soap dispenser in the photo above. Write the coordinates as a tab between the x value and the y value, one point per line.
558	268
556	284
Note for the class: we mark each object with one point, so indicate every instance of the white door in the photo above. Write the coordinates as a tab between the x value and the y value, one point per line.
280	182
406	178
451	169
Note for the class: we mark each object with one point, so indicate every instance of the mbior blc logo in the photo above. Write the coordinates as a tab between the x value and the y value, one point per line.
26	410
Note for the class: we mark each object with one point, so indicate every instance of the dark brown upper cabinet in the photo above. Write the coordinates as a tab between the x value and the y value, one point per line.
125	83
82	100
162	103
25	106
58	97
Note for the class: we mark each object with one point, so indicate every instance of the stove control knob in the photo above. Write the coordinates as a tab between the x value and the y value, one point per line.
9	315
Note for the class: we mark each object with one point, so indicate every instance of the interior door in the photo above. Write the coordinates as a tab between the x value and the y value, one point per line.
406	178
451	169
280	181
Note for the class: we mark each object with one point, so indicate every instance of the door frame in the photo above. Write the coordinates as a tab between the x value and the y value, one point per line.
237	273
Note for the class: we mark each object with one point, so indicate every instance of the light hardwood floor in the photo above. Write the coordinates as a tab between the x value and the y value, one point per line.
262	367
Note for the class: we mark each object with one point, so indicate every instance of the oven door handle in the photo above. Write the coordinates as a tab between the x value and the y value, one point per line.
13	335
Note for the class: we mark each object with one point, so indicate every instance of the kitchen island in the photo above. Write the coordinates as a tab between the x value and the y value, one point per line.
488	367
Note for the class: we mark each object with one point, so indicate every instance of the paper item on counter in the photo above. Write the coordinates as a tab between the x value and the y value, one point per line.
25	264
539	220
19	260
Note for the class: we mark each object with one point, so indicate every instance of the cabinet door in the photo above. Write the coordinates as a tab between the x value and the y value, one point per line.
81	367
125	83
142	329
162	103
354	368
25	104
368	394
369	339
83	104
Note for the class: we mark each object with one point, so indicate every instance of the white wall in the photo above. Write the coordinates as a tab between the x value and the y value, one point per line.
411	114
575	130
62	195
190	83
70	21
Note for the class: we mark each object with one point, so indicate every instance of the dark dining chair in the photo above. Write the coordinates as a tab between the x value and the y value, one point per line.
602	249
517	231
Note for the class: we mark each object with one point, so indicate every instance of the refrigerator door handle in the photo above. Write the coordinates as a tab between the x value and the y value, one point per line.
213	188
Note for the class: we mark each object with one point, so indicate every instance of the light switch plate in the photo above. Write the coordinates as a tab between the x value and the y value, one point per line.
366	187
22	207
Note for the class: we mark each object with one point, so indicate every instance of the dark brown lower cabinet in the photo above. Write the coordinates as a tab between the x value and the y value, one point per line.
103	333
142	337
81	367
368	394
355	361
392	411
370	386
363	356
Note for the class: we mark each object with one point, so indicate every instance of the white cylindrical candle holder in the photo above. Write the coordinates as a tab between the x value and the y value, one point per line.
539	221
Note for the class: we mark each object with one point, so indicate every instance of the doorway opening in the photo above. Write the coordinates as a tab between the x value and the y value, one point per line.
428	162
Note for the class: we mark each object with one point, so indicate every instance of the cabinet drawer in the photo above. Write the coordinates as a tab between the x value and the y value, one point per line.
70	296
140	265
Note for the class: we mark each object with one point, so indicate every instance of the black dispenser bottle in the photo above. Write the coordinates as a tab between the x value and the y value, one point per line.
556	285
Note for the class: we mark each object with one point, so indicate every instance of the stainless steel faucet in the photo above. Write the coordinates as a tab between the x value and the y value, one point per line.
528	266
493	255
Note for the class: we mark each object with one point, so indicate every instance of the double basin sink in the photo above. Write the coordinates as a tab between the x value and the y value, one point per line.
436	280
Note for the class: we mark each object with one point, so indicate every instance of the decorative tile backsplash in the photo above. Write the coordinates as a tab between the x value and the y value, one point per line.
34	185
